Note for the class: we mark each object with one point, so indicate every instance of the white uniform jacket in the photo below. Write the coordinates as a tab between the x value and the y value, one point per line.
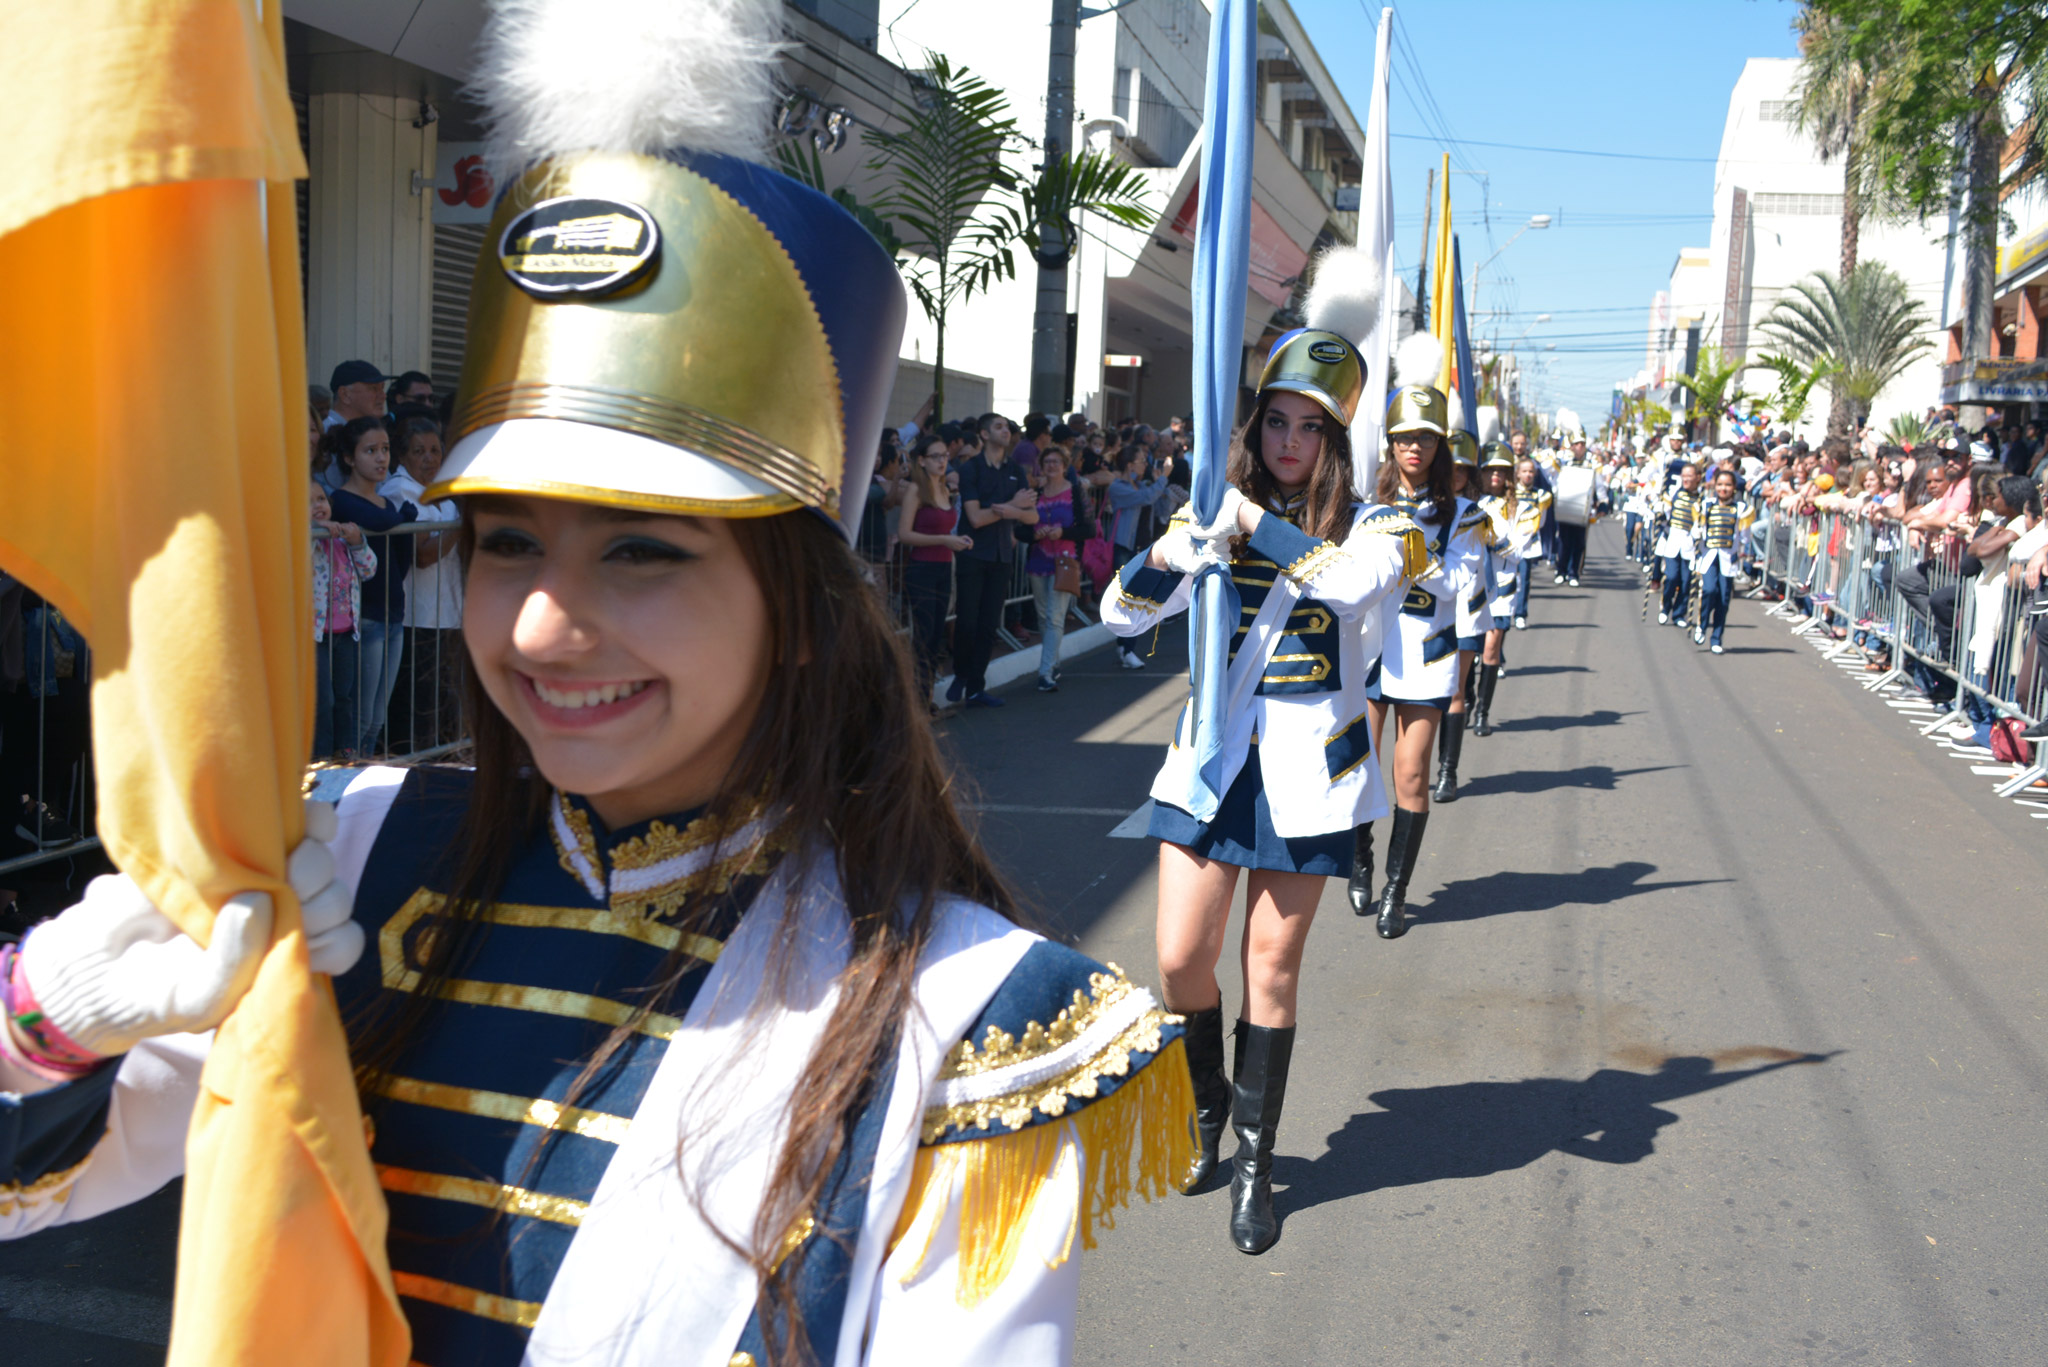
1531	506
1475	599
1504	559
646	1278
1309	641
1684	513
1420	660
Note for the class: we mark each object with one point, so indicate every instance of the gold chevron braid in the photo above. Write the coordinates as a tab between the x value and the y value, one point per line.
482	1304
537	1205
1013	1110
535	1111
51	1186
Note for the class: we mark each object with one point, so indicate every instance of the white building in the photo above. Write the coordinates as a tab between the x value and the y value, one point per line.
1138	90
1778	219
390	238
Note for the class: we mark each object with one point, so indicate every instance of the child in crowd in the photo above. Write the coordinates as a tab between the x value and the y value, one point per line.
341	562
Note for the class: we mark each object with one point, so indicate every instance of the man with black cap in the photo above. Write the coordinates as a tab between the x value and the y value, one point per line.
358	392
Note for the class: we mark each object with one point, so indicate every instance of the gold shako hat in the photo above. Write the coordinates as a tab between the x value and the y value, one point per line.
658	322
1415	404
1497	456
1464	445
1323	360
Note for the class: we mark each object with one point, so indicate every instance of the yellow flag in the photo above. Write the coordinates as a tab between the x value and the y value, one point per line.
1442	303
154	487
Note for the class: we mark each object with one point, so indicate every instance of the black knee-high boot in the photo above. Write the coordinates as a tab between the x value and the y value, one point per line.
1263	1053
1212	1092
1450	744
1482	709
1402	848
1360	889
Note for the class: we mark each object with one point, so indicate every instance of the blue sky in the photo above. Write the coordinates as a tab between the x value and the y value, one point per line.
1649	78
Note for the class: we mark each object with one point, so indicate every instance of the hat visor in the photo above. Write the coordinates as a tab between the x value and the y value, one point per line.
1416	425
581	462
1310	390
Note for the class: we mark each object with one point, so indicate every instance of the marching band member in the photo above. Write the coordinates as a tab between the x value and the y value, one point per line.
1311	568
1571	536
1532	509
1504	575
1475	619
1417	675
1722	519
692	1017
1682	515
1638	507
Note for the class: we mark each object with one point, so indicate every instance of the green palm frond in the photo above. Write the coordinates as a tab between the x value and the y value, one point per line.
1908	430
1867	328
1795	384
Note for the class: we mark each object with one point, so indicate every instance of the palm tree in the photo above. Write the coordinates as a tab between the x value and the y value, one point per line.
1833	93
945	177
1908	430
1867	328
1711	389
956	211
1795	387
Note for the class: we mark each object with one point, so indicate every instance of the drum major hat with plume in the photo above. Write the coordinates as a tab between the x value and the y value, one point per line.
658	321
1415	404
1324	360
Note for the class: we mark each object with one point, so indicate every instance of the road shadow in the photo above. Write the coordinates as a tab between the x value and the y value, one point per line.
1504	894
1600	777
1602	717
1556	626
1516	671
1757	650
1476	1129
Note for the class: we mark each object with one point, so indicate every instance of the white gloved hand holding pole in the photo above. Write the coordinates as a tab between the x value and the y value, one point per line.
113	970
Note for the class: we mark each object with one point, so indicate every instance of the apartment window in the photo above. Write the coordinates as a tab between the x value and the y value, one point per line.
1813	205
1778	111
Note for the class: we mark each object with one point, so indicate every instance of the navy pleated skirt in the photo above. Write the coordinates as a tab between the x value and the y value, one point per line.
1242	833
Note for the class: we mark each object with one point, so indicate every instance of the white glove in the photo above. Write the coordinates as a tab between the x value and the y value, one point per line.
113	970
1179	549
1225	525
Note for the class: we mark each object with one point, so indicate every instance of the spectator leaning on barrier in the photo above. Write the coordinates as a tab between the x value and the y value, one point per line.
358	392
1134	493
993	495
429	689
342	560
362	450
413	388
1055	560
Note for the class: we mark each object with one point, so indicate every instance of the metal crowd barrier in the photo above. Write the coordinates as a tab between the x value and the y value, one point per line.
1940	629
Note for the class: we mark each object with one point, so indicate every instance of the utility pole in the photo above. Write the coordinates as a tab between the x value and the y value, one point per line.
1049	325
1422	270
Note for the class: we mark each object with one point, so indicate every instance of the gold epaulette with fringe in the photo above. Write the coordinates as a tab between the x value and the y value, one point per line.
1415	561
998	1127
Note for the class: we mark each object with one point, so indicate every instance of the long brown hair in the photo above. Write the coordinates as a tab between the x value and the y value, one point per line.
931	489
1328	511
842	744
1441	498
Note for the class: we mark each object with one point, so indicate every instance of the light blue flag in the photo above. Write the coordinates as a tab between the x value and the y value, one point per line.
1222	272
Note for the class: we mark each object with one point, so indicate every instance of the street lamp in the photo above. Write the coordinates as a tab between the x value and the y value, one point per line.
1535	221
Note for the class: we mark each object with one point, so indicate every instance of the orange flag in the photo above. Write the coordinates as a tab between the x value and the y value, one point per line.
153	486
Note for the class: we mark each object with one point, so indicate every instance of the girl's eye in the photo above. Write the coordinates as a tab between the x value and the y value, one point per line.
508	542
642	550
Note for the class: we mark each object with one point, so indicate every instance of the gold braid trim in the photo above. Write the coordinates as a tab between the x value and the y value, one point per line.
51	1186
1013	1110
1138	1140
1312	561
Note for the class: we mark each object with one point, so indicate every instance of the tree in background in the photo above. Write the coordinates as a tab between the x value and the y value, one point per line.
1865	331
1908	430
1795	390
1711	390
1955	76
954	211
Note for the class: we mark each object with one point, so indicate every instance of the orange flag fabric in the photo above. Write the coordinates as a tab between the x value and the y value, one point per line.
153	486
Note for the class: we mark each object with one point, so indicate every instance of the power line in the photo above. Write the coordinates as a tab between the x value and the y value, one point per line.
1560	151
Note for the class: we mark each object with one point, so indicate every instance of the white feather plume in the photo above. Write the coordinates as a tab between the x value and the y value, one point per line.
1419	359
564	76
1344	294
1568	423
1457	411
1489	424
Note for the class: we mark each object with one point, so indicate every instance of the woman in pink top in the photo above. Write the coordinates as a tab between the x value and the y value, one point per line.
341	562
927	523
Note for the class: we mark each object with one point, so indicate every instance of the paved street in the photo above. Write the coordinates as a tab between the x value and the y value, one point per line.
1719	1038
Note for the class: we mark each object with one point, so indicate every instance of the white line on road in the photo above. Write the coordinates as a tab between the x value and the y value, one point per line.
89	1309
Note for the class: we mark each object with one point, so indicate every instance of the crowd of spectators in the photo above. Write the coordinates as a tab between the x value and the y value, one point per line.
1933	555
982	528
387	591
